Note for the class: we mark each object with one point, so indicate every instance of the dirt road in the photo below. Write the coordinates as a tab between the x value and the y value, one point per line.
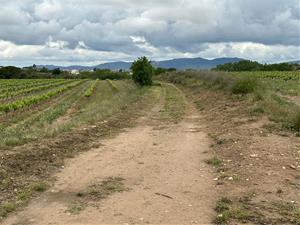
157	174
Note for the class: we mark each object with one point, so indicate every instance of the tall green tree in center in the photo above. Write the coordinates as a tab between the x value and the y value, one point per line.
142	71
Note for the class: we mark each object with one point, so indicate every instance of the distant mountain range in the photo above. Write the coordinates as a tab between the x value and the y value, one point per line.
179	64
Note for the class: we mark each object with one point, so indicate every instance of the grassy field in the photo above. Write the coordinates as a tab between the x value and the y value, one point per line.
35	109
51	107
274	94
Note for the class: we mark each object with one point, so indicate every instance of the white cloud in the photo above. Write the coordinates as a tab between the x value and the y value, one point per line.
268	30
138	39
81	44
48	10
253	51
54	53
56	44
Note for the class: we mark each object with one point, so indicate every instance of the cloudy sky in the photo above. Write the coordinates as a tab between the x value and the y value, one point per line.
89	32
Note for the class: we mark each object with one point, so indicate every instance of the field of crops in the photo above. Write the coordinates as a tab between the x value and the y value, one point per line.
39	108
282	75
284	82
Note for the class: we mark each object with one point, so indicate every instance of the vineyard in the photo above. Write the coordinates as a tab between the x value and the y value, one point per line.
284	82
34	109
282	75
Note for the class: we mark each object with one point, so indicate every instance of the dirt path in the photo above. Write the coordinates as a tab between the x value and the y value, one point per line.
162	177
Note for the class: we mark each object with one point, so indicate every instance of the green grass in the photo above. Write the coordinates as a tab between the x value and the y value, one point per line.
261	91
280	111
112	85
289	210
90	90
75	208
282	82
174	106
296	121
105	103
21	198
244	86
104	189
6	208
35	99
214	161
96	192
38	125
227	211
40	187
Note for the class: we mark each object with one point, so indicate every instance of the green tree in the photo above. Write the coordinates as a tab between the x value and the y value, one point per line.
9	72
142	71
247	65
56	71
44	70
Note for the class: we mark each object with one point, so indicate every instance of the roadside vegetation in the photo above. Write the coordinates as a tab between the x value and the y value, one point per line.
174	105
264	92
253	122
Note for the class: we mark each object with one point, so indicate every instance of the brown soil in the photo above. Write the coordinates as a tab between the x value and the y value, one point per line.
260	169
162	167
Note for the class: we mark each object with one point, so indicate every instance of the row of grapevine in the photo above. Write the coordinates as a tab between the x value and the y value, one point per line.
33	89
283	75
112	85
21	103
6	84
91	89
24	85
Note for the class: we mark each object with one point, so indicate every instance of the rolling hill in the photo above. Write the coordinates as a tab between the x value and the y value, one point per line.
179	64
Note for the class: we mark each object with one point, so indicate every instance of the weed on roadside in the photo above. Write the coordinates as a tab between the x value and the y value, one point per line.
214	161
96	193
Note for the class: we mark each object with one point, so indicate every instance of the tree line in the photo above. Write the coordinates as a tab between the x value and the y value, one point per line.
248	65
32	72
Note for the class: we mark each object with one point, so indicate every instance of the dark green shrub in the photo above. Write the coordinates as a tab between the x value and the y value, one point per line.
56	71
142	71
244	86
